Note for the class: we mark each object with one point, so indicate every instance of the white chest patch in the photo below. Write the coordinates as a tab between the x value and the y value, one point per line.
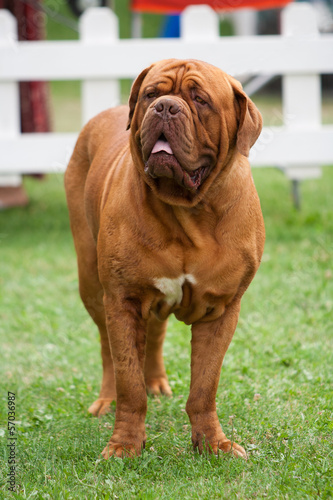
173	287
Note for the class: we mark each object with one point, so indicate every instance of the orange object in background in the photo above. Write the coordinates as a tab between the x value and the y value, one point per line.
177	6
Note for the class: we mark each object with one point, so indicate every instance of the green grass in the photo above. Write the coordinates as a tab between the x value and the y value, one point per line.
282	351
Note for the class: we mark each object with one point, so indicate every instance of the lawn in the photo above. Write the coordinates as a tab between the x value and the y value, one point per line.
275	393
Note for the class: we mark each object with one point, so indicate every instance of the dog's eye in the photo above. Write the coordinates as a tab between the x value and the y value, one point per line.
199	100
150	95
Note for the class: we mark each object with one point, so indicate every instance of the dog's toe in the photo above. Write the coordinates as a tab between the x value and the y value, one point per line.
157	386
234	448
120	451
100	407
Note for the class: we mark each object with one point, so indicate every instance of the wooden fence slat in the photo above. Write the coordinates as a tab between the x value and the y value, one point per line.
301	94
98	25
9	98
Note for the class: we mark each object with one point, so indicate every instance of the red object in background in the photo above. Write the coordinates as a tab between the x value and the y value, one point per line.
176	6
33	95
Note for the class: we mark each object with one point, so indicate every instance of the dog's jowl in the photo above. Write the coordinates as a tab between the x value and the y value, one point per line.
166	219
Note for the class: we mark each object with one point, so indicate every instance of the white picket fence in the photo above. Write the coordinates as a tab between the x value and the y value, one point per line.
301	146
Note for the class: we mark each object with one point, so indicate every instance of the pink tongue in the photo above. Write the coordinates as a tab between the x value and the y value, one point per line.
162	146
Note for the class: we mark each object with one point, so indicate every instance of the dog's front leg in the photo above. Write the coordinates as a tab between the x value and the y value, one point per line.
127	334
210	342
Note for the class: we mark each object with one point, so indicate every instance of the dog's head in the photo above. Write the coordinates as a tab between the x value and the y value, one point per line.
187	119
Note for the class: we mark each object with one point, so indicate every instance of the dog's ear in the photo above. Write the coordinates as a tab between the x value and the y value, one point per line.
248	117
135	93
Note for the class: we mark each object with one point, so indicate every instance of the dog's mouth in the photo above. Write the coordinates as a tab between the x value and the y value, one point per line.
162	144
162	162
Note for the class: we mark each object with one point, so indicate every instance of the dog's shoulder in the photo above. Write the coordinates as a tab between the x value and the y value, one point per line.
105	130
108	124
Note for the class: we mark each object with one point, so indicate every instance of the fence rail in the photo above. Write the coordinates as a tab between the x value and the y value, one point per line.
300	146
76	60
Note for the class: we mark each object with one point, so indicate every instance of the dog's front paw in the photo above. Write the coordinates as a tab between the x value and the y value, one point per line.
158	385
230	447
225	445
211	438
100	407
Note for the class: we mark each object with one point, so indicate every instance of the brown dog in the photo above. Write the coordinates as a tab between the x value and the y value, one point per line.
166	219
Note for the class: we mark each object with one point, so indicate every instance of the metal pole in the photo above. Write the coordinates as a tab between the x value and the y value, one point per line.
295	192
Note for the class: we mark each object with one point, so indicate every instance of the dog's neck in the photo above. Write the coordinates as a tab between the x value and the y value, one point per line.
195	223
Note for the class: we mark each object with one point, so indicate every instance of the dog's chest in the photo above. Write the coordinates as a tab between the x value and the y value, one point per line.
190	298
172	288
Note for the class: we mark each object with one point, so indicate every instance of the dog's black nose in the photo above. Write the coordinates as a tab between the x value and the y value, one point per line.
166	107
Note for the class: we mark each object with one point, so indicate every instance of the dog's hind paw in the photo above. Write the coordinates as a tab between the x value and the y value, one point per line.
123	450
157	386
100	407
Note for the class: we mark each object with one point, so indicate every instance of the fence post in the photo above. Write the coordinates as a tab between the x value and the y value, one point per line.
199	22
301	93
98	25
9	93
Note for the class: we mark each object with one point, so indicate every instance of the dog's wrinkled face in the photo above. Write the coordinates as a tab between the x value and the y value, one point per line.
186	118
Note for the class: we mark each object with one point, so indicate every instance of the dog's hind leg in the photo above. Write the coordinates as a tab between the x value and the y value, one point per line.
155	375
